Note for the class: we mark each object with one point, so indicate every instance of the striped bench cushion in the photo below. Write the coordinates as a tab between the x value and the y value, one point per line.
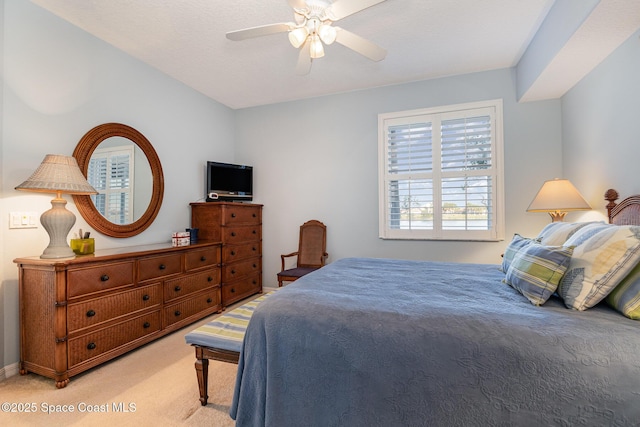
226	332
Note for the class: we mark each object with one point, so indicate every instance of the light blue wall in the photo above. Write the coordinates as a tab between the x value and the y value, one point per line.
318	159
601	126
59	82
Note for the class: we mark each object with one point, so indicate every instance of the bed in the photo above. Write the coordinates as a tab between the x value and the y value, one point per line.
381	342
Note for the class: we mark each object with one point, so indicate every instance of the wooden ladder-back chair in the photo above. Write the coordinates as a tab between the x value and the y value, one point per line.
312	252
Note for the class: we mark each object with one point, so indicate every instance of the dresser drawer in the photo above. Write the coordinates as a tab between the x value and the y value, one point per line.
92	312
232	253
186	285
239	234
240	269
237	214
235	291
209	301
208	257
159	266
98	278
94	344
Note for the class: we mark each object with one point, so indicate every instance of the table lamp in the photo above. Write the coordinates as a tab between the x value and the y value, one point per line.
58	174
557	197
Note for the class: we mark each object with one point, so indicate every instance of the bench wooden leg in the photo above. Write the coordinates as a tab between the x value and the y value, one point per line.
202	372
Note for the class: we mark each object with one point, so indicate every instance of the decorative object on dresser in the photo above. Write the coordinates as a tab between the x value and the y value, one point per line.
556	197
78	313
239	227
58	174
311	253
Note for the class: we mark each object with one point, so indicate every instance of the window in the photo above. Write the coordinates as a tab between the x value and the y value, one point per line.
441	174
110	172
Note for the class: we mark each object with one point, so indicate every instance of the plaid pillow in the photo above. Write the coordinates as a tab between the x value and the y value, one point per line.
518	242
536	271
626	296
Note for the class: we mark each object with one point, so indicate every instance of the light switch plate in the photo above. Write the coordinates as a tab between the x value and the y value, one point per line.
23	220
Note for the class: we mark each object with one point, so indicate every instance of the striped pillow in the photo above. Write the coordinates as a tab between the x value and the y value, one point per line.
557	233
536	271
513	247
626	296
602	257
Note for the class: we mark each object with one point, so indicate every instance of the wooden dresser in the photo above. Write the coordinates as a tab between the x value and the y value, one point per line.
78	313
239	227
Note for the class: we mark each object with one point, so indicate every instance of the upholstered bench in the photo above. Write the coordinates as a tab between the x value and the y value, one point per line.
220	339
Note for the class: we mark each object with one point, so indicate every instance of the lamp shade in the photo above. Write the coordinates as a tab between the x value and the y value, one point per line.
58	174
557	197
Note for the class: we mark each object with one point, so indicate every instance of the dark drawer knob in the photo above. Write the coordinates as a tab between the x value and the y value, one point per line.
203	258
255	265
91	346
233	272
162	266
145	297
177	313
254	249
255	282
233	253
104	277
91	313
177	289
254	215
233	234
209	300
209	279
146	325
233	290
233	215
255	231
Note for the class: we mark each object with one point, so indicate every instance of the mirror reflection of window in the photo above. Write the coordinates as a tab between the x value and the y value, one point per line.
110	172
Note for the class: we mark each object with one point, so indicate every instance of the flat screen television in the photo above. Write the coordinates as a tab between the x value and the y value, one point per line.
229	182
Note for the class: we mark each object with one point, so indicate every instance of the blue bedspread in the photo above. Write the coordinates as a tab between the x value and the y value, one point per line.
378	342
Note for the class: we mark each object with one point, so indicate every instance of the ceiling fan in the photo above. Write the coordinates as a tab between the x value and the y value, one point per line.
313	27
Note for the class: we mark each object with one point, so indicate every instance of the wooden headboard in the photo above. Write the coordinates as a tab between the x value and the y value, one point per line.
627	212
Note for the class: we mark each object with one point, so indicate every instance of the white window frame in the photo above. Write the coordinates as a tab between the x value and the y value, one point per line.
495	232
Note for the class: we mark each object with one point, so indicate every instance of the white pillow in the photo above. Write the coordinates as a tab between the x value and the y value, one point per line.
557	233
602	257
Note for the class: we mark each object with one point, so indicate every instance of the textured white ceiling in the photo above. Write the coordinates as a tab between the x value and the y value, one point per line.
424	38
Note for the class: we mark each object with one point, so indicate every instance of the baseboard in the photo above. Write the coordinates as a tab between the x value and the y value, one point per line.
9	371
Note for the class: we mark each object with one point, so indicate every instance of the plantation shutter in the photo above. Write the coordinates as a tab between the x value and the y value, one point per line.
110	172
466	188
410	161
442	173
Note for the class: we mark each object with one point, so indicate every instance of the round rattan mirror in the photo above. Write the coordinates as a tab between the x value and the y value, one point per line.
101	139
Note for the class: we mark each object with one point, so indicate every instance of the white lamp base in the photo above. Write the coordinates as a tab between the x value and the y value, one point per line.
58	222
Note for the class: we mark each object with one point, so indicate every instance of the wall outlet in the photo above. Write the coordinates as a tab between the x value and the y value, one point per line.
23	220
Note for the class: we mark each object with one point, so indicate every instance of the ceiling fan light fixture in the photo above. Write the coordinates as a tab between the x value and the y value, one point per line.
327	33
298	36
316	50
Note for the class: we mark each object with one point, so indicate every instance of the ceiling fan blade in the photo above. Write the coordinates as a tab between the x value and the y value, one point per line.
362	46
342	8
304	60
263	30
298	4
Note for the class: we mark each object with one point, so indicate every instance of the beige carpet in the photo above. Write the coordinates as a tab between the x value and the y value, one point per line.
159	380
